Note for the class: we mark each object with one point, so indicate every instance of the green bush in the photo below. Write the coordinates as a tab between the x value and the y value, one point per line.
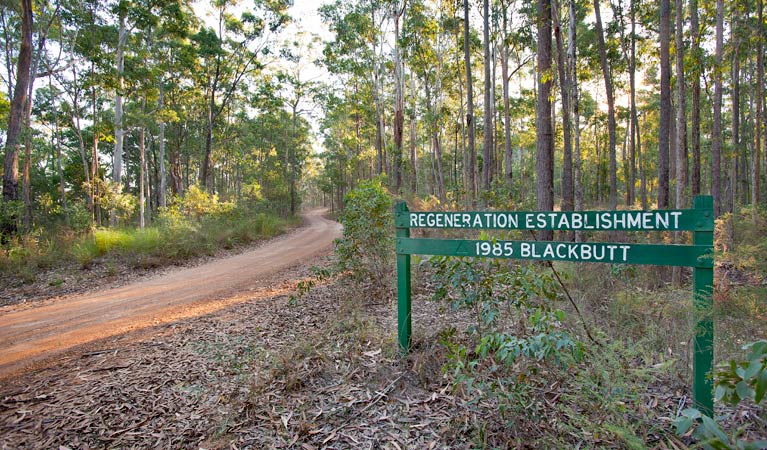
194	225
513	322
366	249
735	381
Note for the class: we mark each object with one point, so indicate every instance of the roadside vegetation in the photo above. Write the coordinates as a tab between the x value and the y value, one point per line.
194	226
531	370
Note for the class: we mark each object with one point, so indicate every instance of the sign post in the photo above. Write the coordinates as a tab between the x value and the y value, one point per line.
699	256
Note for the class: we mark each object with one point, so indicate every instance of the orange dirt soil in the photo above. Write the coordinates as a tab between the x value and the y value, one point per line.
32	336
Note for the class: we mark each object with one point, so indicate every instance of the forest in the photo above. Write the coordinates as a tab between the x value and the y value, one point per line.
110	110
143	133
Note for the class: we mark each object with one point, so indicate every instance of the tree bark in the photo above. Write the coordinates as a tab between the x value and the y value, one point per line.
117	158
568	196
487	146
716	134
680	144
695	111
413	138
755	197
573	68
472	156
163	175
613	199
142	173
507	159
16	116
399	103
632	106
664	135
735	138
544	134
681	110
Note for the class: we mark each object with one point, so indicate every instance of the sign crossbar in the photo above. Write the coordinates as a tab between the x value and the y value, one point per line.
699	256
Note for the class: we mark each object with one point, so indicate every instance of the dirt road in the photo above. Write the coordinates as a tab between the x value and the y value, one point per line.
30	336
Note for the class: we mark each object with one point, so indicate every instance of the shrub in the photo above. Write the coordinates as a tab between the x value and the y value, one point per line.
367	246
735	381
514	329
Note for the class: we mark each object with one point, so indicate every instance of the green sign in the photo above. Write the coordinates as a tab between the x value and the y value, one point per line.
671	220
700	220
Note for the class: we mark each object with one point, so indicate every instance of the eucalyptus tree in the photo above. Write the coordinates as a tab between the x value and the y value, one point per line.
229	54
420	39
355	56
680	145
299	93
607	76
756	170
470	127
716	133
16	115
568	199
487	146
664	127
398	10
543	120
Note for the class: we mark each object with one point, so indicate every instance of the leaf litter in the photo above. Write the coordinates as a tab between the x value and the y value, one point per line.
321	372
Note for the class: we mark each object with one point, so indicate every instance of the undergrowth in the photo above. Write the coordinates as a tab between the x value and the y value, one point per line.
193	226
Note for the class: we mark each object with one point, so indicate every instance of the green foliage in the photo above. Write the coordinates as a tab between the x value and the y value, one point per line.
735	381
320	274
197	203
741	380
742	238
194	225
366	248
515	330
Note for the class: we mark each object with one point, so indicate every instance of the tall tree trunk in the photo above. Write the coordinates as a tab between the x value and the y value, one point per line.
117	158
735	139
507	159
16	116
755	197
75	117
163	176
293	163
413	138
633	106
610	106
568	196
487	146
56	141
462	123
142	173
695	84
472	155
399	102
544	134
681	107
573	68
642	171
664	127
680	145
206	178
716	134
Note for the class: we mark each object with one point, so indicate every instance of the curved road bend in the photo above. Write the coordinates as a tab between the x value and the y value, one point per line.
31	335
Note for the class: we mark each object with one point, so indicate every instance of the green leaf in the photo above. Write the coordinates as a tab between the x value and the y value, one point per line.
761	386
752	369
691	413
720	392
683	425
712	429
744	390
